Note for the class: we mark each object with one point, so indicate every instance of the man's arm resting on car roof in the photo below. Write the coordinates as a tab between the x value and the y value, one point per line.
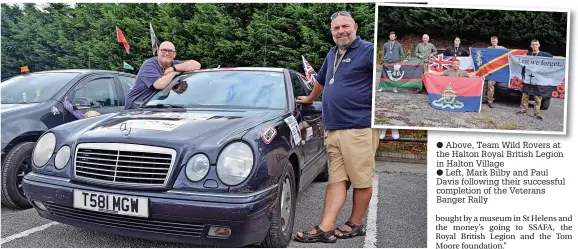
162	82
186	66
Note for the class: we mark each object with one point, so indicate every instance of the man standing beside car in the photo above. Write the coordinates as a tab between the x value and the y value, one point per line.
157	72
346	80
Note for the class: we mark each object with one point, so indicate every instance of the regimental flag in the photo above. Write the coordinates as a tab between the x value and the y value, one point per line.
536	75
456	94
154	40
441	63
406	74
121	39
310	74
492	63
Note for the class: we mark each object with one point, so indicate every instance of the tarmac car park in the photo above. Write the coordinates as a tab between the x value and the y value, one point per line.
32	103
216	158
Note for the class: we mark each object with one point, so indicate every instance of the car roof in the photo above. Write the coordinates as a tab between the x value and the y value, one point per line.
81	71
269	69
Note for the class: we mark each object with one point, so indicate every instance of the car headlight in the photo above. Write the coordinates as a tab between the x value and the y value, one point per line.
197	167
62	157
44	149
235	163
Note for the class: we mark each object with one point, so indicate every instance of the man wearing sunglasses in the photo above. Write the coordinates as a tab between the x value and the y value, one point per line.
157	72
346	81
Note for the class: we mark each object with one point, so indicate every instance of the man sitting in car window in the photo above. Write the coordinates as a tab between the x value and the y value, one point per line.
157	72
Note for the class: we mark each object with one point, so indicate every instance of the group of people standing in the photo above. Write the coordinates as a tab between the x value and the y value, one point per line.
393	53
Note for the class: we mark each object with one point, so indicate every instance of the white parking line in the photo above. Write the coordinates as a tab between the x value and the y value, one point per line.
371	235
27	232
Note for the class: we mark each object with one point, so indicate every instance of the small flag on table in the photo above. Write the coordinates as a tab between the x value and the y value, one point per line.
457	94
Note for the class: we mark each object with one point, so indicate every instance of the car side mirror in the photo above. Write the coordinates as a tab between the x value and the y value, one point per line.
311	109
81	107
81	103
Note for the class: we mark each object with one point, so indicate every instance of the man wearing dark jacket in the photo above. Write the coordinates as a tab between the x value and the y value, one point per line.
457	49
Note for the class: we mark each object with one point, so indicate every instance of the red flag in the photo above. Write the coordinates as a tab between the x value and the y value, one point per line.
121	39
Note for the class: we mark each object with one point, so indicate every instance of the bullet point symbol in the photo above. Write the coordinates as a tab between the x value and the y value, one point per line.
440	172
440	145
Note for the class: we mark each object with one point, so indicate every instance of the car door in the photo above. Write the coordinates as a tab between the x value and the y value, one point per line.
99	93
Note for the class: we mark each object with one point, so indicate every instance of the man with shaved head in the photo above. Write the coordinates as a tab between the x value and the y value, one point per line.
157	72
346	81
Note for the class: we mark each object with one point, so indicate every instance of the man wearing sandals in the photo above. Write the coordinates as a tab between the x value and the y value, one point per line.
346	80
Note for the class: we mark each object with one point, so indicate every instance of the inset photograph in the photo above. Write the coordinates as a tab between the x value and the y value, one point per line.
476	69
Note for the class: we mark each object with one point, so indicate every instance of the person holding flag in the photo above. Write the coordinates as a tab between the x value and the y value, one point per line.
157	72
491	84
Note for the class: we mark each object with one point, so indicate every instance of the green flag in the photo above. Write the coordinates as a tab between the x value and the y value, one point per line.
406	74
127	66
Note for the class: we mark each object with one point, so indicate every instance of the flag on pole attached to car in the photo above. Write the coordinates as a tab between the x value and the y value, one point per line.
310	74
154	40
127	66
121	39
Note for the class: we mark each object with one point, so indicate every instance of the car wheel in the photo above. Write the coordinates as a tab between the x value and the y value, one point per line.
283	215
18	163
324	175
545	104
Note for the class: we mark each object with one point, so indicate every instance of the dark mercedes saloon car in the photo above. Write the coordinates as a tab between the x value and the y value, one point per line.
217	158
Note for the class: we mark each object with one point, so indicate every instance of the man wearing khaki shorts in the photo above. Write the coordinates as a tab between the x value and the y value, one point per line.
346	80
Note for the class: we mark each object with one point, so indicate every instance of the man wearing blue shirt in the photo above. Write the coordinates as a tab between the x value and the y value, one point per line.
157	72
535	44
346	80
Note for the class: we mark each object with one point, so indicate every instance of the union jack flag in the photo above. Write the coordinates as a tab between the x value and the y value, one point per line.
310	74
440	62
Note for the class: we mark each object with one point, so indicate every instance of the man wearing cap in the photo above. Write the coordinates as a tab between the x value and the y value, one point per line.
346	80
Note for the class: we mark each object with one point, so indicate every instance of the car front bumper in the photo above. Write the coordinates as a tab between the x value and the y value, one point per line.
180	217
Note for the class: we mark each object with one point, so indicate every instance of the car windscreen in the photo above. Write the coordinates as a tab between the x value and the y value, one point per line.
226	89
34	88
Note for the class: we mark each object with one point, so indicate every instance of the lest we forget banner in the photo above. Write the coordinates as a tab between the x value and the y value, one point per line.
457	94
536	75
406	74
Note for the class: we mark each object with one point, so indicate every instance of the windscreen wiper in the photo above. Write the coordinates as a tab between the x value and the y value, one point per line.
163	106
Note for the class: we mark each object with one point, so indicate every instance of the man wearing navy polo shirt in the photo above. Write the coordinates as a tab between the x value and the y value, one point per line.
157	72
346	80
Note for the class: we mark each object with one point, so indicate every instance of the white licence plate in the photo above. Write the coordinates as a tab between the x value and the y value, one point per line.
111	203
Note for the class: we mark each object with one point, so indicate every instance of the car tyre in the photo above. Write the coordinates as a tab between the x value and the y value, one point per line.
17	164
545	103
283	216
324	175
